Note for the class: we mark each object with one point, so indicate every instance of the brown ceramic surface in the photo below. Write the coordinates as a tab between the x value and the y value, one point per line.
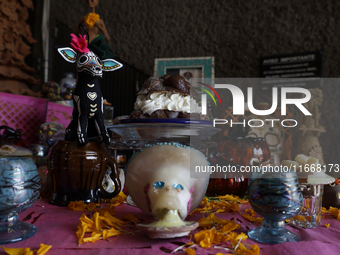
77	172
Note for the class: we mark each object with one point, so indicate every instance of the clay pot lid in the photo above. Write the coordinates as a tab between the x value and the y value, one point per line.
168	232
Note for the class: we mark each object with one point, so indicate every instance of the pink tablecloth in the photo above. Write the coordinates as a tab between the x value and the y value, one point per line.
57	227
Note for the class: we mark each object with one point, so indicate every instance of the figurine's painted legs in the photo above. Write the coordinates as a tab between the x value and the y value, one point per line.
82	122
99	120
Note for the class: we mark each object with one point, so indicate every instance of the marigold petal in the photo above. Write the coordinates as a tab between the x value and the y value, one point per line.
324	210
93	238
104	222
250	211
234	207
95	219
130	217
16	251
91	206
327	225
199	236
190	251
80	234
43	249
114	219
241	235
122	195
220	238
230	227
206	243
77	206
248	217
205	223
229	197
110	210
110	232
299	218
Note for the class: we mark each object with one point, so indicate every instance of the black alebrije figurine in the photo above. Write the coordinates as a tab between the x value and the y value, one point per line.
91	60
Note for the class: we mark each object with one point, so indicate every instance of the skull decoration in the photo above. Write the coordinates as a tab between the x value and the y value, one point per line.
159	181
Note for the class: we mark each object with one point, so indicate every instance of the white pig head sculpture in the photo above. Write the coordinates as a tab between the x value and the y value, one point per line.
158	179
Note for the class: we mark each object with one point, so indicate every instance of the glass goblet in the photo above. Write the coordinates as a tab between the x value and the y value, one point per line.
276	196
19	189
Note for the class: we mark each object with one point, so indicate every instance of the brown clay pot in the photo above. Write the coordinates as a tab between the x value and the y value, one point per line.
331	195
237	150
77	172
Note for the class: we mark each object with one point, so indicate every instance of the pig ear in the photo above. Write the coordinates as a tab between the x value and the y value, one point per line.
111	65
68	54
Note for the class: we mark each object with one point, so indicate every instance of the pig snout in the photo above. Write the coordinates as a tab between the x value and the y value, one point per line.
167	202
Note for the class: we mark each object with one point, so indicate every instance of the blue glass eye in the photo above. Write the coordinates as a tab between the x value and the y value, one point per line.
158	185
178	186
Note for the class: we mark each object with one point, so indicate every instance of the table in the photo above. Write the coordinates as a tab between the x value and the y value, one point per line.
57	227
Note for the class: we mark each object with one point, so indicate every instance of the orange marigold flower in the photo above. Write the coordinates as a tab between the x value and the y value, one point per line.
205	237
91	19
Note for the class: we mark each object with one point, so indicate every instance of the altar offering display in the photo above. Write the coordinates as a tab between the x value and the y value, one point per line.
276	196
19	189
159	182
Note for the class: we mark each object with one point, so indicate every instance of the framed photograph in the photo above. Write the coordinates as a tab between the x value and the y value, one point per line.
190	68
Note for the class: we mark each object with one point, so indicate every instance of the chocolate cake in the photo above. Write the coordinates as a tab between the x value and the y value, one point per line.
166	97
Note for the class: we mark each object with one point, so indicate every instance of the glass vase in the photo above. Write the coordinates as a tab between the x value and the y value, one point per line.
276	196
310	215
19	189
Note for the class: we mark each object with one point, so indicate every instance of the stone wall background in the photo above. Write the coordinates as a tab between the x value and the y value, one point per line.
236	32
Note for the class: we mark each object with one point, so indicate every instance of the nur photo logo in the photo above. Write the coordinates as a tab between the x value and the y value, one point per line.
239	103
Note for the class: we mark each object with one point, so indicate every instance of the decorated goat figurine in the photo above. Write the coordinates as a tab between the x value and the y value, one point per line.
91	60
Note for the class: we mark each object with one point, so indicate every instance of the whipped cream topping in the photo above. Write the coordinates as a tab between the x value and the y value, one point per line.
166	101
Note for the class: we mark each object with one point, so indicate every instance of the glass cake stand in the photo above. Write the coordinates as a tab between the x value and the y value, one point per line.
135	134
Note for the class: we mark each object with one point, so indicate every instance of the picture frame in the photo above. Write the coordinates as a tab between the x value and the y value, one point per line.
189	67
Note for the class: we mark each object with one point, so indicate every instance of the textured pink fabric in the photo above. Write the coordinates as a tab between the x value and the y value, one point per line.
57	227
